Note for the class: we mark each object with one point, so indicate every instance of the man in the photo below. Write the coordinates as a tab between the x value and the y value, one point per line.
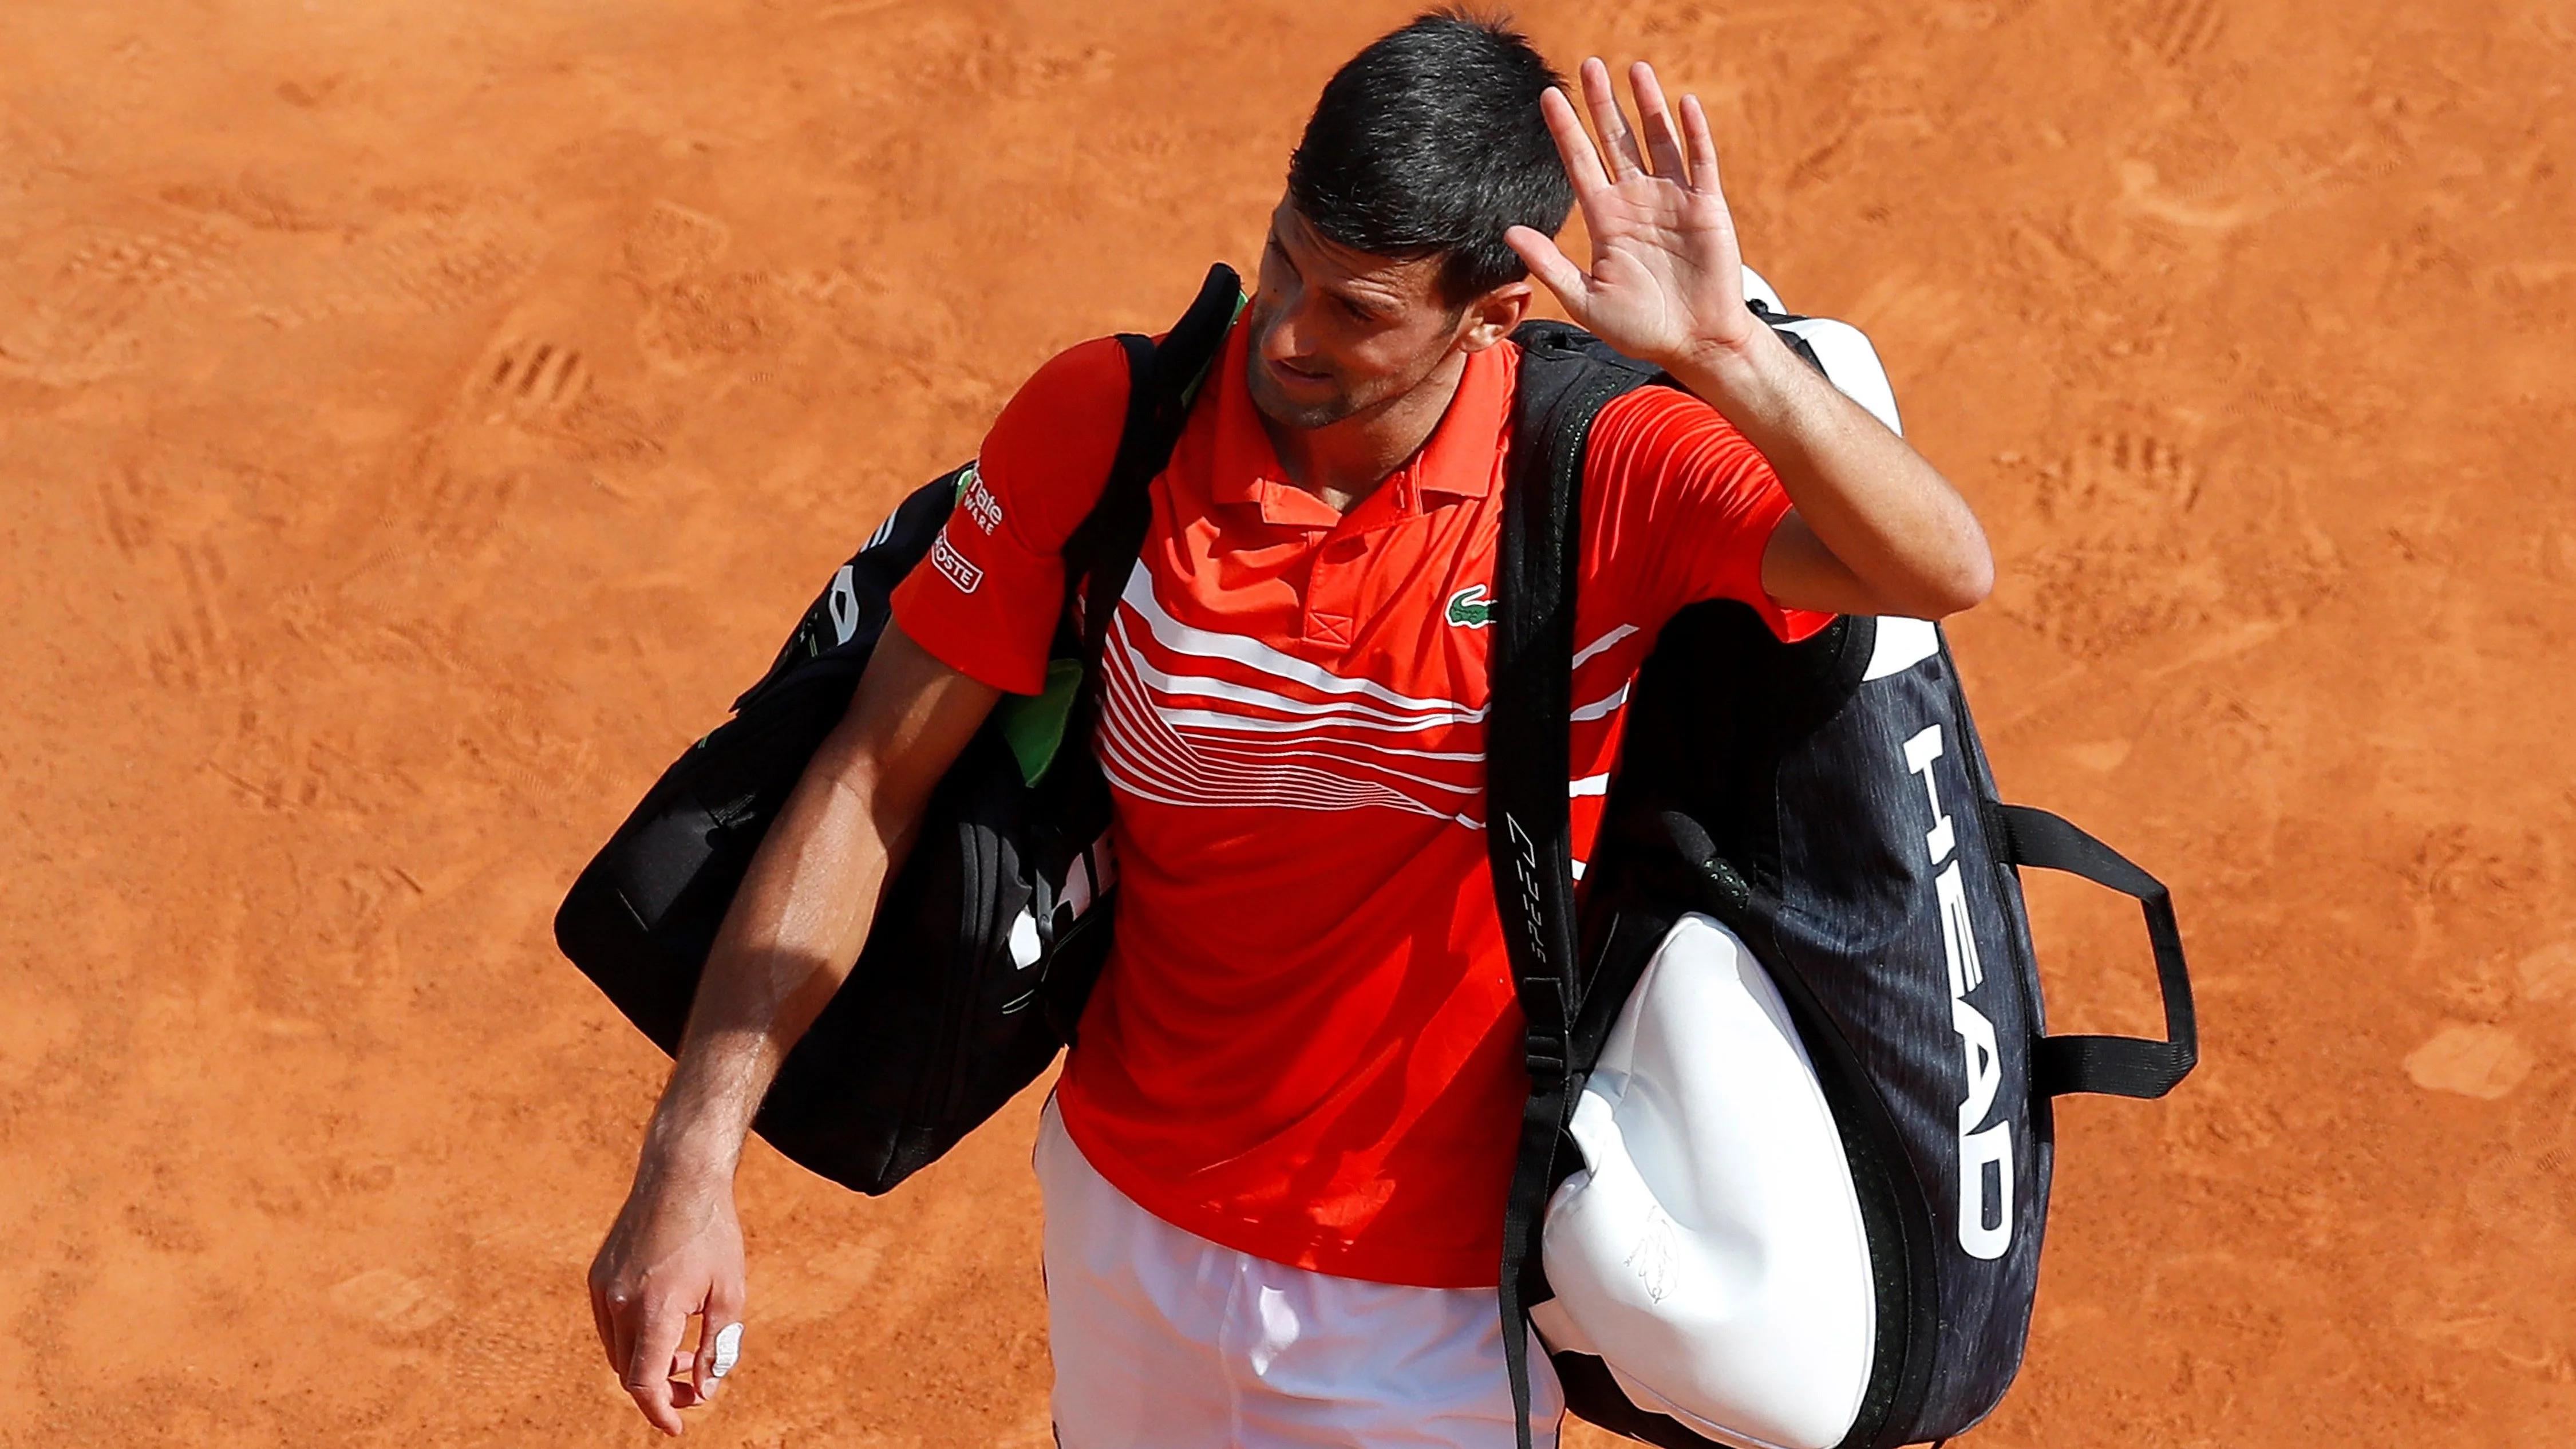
1274	1167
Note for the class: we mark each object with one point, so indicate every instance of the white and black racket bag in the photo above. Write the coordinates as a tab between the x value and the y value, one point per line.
1785	1159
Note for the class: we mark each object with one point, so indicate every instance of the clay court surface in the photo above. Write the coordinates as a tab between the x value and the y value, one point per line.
417	420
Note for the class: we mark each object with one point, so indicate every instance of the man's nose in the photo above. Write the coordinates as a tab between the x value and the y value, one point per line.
1283	336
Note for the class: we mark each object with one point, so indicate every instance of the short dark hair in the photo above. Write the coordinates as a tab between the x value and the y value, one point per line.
1430	143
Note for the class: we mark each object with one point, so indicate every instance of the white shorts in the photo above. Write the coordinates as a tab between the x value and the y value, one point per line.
1164	1340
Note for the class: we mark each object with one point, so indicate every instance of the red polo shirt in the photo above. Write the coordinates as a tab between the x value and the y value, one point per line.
1305	1045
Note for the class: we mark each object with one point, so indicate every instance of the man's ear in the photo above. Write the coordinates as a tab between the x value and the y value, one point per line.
1490	318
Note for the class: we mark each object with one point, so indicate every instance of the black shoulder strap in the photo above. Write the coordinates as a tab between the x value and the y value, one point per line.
1162	381
1565	378
2117	1066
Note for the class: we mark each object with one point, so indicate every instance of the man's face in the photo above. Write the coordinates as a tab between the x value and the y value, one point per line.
1336	332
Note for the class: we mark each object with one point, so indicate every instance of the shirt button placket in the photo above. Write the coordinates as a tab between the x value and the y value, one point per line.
1332	591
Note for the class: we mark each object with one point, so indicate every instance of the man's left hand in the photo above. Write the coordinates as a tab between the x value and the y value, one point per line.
1667	280
1876	529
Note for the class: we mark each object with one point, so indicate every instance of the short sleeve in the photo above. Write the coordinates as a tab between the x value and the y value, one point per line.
986	601
1679	507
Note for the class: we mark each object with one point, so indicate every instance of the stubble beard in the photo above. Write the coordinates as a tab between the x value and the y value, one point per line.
1277	406
1304	417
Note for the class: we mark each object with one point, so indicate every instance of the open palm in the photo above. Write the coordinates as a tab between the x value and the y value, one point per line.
1666	279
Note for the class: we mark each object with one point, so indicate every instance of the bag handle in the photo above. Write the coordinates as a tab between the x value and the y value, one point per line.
2116	1066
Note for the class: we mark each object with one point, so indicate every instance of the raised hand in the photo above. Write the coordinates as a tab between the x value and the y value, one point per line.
1666	283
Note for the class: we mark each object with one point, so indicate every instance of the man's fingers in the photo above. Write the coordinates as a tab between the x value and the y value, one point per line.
1663	143
607	1328
684	1384
1619	142
1573	143
647	1373
1555	271
621	1311
606	1306
1703	146
719	1337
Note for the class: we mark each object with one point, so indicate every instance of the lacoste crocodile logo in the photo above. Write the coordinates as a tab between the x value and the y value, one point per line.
1470	609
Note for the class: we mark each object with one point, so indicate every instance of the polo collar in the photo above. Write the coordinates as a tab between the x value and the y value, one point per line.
1460	459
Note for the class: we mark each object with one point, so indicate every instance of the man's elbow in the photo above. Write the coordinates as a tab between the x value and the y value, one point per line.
1975	582
1964	584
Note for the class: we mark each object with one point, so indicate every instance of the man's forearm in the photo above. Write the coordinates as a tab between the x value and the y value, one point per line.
792	934
1882	511
796	926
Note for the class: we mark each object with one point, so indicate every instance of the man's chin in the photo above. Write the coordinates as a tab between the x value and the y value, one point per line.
1289	412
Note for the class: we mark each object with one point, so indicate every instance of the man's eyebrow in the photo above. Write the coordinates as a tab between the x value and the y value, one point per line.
1361	299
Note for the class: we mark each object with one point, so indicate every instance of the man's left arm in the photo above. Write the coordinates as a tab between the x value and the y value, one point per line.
1877	530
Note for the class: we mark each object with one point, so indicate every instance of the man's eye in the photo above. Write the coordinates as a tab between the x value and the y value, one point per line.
1355	311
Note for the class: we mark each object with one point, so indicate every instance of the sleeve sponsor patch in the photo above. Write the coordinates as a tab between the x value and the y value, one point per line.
953	566
978	502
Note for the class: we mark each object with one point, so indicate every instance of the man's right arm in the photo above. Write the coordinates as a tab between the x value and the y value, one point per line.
792	934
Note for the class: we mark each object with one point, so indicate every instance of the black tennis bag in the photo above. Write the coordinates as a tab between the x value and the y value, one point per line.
989	939
1829	802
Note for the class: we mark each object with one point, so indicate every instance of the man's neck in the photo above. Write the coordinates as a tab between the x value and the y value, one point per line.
1343	463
